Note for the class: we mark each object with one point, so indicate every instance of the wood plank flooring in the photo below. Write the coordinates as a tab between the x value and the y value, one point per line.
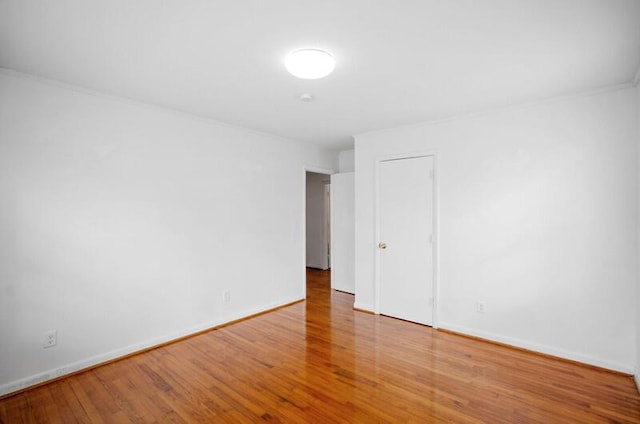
320	361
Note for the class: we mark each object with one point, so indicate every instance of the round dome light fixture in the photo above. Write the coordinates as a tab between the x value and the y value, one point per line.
309	63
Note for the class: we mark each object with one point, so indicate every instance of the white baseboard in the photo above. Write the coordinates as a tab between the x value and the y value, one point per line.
363	306
32	380
636	377
548	350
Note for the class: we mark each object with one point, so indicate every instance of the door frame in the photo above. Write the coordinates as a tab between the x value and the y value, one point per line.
303	270
436	285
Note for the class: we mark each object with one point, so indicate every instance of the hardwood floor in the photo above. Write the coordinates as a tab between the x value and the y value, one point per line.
320	361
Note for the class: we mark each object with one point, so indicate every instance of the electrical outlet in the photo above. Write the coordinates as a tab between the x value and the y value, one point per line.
50	339
481	307
226	296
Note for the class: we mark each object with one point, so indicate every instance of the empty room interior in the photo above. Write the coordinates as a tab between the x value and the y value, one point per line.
313	212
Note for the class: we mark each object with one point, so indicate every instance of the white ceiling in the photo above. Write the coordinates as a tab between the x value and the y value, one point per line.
398	62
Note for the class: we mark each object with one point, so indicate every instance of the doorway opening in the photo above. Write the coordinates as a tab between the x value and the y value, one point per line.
318	221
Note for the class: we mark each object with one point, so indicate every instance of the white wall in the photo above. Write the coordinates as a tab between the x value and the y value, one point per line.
122	224
346	161
537	217
316	221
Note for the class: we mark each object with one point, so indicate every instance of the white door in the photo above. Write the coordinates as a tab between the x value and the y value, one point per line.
343	235
406	239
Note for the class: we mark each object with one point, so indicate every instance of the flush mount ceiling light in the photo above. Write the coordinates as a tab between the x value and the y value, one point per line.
309	63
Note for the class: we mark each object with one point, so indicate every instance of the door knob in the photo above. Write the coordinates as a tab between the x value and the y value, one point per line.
382	245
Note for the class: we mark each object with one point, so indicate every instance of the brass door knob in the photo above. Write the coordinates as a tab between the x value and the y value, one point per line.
382	245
